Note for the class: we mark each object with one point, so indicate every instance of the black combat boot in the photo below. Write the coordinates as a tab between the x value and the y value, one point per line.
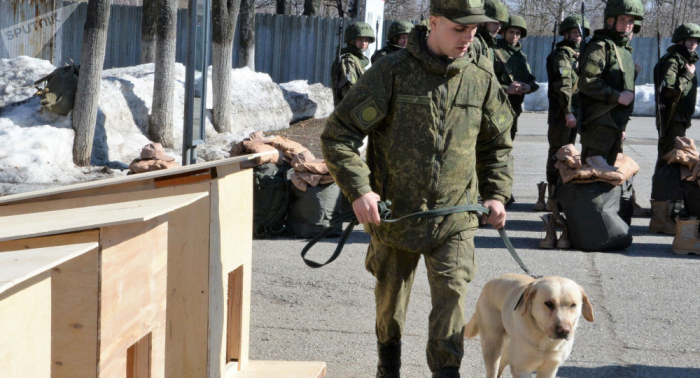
447	372
389	360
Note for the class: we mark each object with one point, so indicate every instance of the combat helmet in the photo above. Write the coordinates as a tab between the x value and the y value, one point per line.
684	31
572	22
616	8
516	21
359	30
463	12
496	10
399	27
637	27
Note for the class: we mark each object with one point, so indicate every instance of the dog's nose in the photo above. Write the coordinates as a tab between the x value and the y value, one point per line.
563	331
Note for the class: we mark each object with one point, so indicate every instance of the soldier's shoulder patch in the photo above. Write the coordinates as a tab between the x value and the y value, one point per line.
592	68
367	114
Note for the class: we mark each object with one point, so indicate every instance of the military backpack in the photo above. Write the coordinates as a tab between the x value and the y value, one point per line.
58	95
271	199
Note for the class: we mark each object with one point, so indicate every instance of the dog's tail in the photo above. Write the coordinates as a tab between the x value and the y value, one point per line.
471	330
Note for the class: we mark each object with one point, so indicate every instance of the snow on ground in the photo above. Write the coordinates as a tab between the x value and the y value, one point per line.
37	145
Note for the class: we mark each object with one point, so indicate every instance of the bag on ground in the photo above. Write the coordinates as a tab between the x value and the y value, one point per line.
271	198
58	95
313	210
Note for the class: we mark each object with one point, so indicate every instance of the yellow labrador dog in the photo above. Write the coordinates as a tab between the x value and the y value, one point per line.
527	323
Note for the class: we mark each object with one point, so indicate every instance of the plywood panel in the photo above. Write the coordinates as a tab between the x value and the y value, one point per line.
281	369
75	300
25	329
51	241
133	293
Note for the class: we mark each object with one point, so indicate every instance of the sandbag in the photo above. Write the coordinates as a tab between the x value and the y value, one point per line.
58	95
312	210
592	216
271	199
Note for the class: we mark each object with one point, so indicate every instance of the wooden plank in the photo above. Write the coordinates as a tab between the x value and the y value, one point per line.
231	247
235	314
126	179
133	293
69	220
51	241
280	369
25	329
19	266
138	358
75	299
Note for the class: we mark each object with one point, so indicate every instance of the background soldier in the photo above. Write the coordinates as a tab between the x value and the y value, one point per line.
562	92
397	38
606	81
487	31
351	64
511	67
413	147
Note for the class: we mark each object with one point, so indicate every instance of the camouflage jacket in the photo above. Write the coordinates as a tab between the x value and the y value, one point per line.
389	48
439	134
607	69
677	83
484	43
511	65
563	79
345	75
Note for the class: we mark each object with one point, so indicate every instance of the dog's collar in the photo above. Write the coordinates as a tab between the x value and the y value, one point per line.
520	300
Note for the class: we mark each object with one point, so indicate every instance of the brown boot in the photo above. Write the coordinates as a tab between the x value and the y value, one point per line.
563	242
661	218
686	240
541	188
550	237
552	202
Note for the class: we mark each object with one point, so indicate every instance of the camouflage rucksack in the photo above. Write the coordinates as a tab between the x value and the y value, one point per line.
271	198
58	95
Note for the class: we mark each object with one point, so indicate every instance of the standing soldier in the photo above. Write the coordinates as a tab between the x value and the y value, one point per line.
562	92
511	67
606	81
352	61
438	127
487	31
397	38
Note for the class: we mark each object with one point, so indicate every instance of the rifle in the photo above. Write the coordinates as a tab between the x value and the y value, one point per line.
554	36
660	124
337	91
582	49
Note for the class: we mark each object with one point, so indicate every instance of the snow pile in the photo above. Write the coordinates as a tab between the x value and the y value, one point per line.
538	101
308	101
17	77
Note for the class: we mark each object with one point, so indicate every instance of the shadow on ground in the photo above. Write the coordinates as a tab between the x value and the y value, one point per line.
628	371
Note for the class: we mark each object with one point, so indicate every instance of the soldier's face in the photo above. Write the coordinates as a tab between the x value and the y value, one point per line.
493	27
624	24
691	44
402	40
574	35
512	35
362	43
450	39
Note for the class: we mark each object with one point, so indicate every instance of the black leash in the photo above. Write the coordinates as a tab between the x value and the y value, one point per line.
385	215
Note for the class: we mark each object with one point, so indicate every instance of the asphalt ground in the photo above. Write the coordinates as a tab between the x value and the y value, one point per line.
646	300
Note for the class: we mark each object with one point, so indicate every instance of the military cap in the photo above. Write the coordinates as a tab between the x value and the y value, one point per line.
463	12
496	10
359	30
684	31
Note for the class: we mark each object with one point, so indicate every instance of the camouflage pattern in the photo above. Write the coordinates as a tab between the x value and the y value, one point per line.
573	22
463	12
515	21
450	267
388	48
563	99
511	65
614	8
484	43
397	28
684	31
359	30
352	67
496	10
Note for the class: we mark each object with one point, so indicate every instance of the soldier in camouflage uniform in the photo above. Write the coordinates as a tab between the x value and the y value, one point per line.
606	81
438	127
351	64
563	96
487	31
511	67
397	38
675	73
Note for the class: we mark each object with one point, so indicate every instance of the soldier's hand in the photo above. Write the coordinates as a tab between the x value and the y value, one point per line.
365	208
637	68
514	88
497	218
525	88
626	98
690	68
570	121
624	136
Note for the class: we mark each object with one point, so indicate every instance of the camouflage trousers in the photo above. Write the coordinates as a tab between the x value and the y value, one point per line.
558	135
602	140
450	267
667	142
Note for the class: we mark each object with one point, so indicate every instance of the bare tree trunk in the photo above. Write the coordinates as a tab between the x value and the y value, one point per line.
312	7
246	50
160	125
148	31
92	57
224	18
284	7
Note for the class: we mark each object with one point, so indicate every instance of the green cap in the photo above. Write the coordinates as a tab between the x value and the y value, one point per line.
359	30
463	12
399	27
572	22
685	31
496	10
516	21
616	8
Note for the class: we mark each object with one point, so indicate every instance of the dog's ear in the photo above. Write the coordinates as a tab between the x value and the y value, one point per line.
528	297
587	309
